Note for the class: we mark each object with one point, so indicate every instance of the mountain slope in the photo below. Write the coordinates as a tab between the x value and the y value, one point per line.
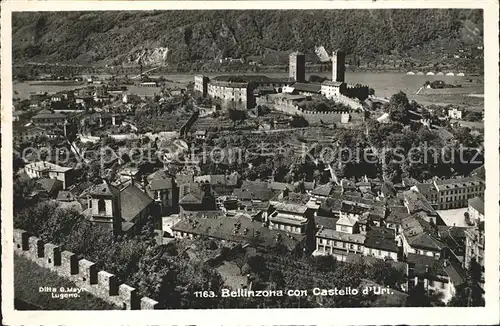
189	36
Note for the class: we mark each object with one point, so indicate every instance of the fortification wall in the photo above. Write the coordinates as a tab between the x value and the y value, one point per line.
318	117
352	103
82	272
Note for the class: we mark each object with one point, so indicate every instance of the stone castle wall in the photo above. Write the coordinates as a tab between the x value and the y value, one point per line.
316	116
81	272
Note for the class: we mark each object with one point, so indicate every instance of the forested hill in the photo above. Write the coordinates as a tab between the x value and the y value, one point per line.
190	36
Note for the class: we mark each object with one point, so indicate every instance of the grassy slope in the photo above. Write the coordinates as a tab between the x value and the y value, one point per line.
29	277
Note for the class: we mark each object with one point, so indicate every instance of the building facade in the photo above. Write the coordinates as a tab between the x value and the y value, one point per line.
455	193
201	85
49	170
235	95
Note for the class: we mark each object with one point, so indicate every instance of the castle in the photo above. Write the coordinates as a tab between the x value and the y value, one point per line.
242	92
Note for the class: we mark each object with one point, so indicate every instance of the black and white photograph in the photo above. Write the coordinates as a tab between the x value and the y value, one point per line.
263	158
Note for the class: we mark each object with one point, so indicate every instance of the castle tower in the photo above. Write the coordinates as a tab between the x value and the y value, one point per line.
338	66
297	68
105	206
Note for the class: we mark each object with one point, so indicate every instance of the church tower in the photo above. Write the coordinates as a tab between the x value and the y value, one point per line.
338	66
297	68
105	206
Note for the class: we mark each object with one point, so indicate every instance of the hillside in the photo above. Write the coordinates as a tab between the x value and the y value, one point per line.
172	37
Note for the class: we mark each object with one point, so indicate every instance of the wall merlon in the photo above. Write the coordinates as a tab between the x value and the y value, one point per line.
129	297
52	255
21	238
149	304
36	249
69	263
107	282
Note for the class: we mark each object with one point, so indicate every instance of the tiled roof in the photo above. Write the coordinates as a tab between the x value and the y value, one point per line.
290	207
239	229
396	214
416	202
454	238
332	83
344	220
354	209
281	186
65	196
307	87
478	204
326	222
381	238
458	183
190	193
420	234
183	178
388	189
103	189
323	190
133	201
426	188
341	236
50	185
160	180
49	115
254	190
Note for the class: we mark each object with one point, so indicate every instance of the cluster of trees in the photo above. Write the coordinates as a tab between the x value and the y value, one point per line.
414	150
440	84
473	116
204	35
278	270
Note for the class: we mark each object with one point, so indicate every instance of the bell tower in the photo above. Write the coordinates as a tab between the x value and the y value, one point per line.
105	206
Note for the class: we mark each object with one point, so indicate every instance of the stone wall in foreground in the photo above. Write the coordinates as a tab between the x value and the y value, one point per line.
81	272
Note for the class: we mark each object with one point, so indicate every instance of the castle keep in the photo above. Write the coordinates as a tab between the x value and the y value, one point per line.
244	92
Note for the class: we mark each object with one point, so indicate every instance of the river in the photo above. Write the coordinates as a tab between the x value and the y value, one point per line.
384	83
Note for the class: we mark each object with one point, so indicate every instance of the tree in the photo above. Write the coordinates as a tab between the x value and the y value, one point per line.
236	115
156	276
384	273
277	280
298	122
399	100
22	191
469	294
